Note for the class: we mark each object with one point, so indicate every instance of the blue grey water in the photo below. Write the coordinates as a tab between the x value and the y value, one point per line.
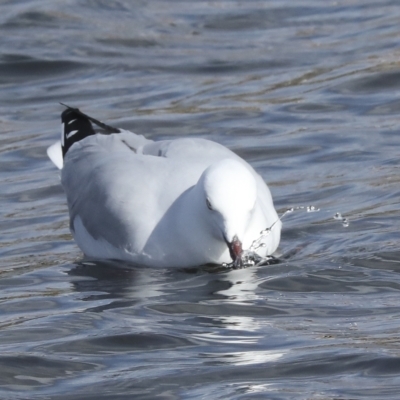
308	92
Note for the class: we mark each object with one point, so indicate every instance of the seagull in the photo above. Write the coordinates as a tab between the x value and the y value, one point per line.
171	203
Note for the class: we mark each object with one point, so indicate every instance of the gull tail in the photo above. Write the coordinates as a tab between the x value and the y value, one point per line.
75	126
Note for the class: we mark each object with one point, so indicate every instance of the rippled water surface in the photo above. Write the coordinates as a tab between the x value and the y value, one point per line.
309	93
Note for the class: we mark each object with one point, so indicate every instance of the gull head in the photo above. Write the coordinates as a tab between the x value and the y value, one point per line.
230	195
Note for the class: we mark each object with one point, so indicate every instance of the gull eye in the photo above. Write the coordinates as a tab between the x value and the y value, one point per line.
209	204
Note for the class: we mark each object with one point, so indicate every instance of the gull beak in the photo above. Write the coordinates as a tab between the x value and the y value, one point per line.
235	248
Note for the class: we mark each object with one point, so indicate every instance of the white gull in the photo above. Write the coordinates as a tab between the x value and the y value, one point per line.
170	203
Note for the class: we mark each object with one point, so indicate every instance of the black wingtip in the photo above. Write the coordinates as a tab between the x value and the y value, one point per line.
76	125
107	128
67	106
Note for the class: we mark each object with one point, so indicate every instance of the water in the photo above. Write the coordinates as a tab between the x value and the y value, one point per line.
309	93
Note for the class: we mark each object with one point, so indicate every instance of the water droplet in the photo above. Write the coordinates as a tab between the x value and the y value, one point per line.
312	209
338	216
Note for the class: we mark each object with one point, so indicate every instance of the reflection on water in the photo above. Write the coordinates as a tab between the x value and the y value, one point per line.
242	358
307	92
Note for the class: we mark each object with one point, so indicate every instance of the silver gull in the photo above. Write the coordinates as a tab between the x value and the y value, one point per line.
169	203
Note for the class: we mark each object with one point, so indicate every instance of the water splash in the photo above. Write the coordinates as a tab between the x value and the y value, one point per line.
250	258
339	217
292	209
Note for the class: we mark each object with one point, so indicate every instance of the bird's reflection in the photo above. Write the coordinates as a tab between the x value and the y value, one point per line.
222	312
121	283
228	298
248	357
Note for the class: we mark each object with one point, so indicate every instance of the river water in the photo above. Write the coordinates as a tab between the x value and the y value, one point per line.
306	91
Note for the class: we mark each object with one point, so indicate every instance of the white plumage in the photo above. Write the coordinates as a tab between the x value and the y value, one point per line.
171	203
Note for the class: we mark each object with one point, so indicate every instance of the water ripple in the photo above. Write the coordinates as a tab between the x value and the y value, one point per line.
307	92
